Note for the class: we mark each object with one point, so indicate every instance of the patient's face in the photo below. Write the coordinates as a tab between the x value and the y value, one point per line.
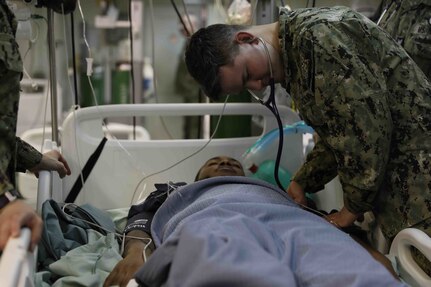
220	166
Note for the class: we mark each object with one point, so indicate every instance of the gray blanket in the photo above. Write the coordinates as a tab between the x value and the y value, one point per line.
236	231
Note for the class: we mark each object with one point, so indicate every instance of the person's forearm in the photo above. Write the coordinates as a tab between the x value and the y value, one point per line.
319	168
27	156
136	242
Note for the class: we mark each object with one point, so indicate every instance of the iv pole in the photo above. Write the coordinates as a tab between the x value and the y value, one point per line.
52	75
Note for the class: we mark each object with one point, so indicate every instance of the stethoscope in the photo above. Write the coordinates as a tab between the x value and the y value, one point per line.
272	106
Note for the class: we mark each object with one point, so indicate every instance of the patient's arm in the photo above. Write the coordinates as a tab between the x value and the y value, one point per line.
133	258
377	255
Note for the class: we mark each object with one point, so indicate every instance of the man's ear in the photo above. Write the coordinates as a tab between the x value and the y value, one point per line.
245	38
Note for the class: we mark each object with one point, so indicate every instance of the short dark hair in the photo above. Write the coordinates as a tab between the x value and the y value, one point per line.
209	49
199	173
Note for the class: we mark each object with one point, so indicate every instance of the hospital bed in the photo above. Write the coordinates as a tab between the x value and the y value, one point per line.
125	170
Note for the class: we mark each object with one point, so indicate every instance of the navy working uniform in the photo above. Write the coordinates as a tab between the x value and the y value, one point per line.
371	106
15	155
409	23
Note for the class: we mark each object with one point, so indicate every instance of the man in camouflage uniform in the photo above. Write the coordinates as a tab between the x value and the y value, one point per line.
368	101
16	155
409	23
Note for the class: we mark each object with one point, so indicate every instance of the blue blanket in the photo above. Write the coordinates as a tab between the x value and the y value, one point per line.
236	231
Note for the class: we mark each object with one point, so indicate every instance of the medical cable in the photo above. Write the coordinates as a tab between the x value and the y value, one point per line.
84	29
319	213
45	112
97	105
153	59
75	107
132	66
192	29
123	236
129	156
189	33
187	157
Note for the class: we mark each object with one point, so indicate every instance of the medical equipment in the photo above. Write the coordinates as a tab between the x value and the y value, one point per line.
258	159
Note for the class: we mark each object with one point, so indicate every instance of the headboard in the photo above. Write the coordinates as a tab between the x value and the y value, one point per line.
122	163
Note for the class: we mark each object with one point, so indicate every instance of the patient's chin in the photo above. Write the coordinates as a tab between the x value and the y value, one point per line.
227	173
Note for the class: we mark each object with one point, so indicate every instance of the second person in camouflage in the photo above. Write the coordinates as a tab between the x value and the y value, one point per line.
364	96
409	23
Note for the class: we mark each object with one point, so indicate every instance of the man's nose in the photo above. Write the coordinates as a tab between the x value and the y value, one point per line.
224	162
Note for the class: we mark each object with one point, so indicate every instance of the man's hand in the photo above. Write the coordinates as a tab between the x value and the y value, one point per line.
135	244
52	160
342	218
124	270
296	192
16	215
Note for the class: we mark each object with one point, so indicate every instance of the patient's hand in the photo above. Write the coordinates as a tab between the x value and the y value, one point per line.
296	192
124	270
136	243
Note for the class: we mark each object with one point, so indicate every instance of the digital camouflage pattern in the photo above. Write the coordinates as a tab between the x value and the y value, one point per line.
409	23
371	106
10	75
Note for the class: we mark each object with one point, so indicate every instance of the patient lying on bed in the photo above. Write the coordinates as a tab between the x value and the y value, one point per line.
229	230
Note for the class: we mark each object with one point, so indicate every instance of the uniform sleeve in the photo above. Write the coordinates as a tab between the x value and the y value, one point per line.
352	115
27	156
319	168
141	216
5	184
10	66
408	23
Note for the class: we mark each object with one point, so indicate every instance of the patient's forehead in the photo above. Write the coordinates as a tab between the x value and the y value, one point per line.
219	158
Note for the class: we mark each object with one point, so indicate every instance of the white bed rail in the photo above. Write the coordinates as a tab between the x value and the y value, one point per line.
17	263
409	271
